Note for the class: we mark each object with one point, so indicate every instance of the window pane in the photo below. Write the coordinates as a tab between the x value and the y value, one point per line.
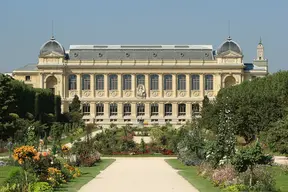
113	82
140	109
113	109
195	82
168	109
72	82
168	82
99	82
86	109
154	82
181	110
181	82
127	82
208	82
127	109
99	109
140	80
154	109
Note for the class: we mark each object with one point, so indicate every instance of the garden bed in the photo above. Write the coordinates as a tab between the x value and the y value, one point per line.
190	174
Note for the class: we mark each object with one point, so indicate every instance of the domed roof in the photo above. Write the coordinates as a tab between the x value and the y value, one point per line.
229	45
52	46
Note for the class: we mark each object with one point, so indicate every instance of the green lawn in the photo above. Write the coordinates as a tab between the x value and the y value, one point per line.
88	173
281	179
190	174
4	172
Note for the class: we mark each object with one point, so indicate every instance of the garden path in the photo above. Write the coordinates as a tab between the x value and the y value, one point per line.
141	174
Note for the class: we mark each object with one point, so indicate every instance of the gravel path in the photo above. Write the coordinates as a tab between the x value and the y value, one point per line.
139	175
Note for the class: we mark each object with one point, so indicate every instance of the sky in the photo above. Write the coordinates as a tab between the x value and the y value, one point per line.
26	25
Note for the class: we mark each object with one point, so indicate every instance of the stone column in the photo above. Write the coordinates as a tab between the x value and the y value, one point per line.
161	110
217	84
147	110
106	110
188	86
160	85
120	110
41	85
106	85
188	110
64	86
201	82
175	110
147	85
92	85
79	79
92	109
120	85
133	110
133	85
174	85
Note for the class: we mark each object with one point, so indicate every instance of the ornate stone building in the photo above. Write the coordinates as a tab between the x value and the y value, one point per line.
156	84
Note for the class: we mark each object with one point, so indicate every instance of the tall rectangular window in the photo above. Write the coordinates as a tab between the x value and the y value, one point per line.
113	82
181	82
86	82
99	109
140	109
99	82
167	82
127	82
86	108
195	82
127	109
154	109
154	83
140	79
208	82
72	82
113	109
168	109
181	109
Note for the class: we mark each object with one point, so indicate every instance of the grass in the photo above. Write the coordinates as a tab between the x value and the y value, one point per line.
4	154
281	179
190	174
88	173
4	172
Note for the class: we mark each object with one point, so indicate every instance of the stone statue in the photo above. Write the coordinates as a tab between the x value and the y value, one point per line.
141	91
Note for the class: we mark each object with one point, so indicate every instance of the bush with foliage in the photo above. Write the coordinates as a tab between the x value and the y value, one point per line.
40	187
236	188
224	176
55	177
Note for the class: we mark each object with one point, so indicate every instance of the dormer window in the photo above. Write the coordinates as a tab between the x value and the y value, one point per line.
27	78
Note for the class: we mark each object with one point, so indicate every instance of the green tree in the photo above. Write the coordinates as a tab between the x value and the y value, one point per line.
248	157
75	106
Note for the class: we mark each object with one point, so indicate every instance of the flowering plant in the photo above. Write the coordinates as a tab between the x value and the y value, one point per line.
74	171
55	177
65	149
24	153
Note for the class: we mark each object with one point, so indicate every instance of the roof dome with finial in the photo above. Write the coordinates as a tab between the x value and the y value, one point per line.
52	46
229	45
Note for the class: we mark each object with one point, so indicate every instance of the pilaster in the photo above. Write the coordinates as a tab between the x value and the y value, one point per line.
188	86
133	84
92	86
174	110
119	81
120	110
147	110
79	84
133	110
147	85
106	110
106	85
201	82
188	110
174	84
93	109
161	110
160	85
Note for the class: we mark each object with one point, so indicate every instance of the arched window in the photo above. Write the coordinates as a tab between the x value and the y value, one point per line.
154	109
167	82
86	108
195	108
72	82
127	109
127	82
168	109
154	82
99	109
195	84
181	82
140	80
113	82
113	109
182	109
85	82
140	109
208	82
99	82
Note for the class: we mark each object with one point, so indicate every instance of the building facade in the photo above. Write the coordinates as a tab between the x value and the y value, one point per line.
128	84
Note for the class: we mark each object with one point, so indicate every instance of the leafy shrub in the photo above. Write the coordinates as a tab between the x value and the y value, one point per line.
223	176
40	187
55	177
235	188
262	180
205	170
10	188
